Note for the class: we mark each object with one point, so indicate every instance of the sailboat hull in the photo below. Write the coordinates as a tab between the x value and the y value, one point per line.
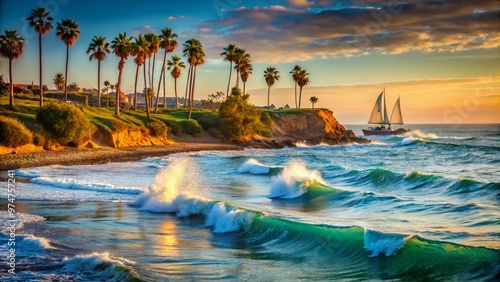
399	131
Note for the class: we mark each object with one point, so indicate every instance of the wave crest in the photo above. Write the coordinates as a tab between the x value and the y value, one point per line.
293	181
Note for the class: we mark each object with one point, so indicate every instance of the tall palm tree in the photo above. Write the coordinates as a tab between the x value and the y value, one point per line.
168	44
140	50
121	48
97	49
295	75
41	21
302	81
313	100
11	47
229	55
154	46
107	85
176	66
245	69
271	74
59	81
193	50
68	31
240	57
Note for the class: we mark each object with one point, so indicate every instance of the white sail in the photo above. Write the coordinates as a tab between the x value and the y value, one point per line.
397	116
379	112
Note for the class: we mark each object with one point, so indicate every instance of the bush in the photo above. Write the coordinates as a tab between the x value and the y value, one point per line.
13	133
191	126
208	121
174	126
239	119
65	122
158	129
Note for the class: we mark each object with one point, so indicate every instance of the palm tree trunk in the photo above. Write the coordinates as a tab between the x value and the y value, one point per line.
164	92
99	83
300	96
312	105
66	75
191	101
135	87
11	86
229	82
162	74
244	86
107	97
117	96
296	95
40	52
146	93
176	98
188	84
149	73
268	94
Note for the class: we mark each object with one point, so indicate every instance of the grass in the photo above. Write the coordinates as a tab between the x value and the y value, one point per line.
26	106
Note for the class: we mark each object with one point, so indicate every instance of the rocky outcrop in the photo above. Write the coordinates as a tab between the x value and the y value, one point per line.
311	127
125	138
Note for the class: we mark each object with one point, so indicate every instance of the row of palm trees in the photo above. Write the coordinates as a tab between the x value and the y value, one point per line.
142	49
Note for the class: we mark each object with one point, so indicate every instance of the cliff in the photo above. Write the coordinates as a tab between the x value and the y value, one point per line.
309	126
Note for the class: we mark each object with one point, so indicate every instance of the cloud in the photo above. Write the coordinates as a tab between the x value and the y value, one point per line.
171	18
143	30
298	33
300	3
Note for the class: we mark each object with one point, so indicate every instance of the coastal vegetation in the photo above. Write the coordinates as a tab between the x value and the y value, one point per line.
228	115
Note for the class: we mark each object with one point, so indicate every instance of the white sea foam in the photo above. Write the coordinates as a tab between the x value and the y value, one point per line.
32	243
168	193
388	244
253	166
410	140
101	266
292	182
18	221
68	183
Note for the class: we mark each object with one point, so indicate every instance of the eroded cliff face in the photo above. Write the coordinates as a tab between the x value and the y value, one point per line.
309	126
125	138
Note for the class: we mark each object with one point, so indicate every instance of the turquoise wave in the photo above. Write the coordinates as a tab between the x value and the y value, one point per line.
390	255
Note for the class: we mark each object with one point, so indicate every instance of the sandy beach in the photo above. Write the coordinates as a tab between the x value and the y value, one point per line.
71	156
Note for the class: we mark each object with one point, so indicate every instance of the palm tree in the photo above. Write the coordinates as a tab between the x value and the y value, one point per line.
140	50
168	44
154	46
73	86
229	55
245	68
302	81
193	50
295	75
59	81
107	84
11	47
121	48
176	65
313	100
41	21
271	75
239	58
67	31
98	49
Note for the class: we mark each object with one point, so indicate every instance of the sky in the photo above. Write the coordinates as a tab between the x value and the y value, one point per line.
441	57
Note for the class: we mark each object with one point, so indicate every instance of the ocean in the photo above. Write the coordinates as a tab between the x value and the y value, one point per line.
423	206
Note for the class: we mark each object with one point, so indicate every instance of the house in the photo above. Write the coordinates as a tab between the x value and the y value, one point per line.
272	107
286	107
29	86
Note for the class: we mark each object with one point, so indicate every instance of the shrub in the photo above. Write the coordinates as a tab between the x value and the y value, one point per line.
158	129
65	122
239	119
13	133
191	126
174	126
208	121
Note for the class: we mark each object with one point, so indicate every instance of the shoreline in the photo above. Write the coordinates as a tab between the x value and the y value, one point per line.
73	156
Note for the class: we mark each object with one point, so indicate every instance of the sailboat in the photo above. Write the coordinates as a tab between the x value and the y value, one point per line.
384	124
